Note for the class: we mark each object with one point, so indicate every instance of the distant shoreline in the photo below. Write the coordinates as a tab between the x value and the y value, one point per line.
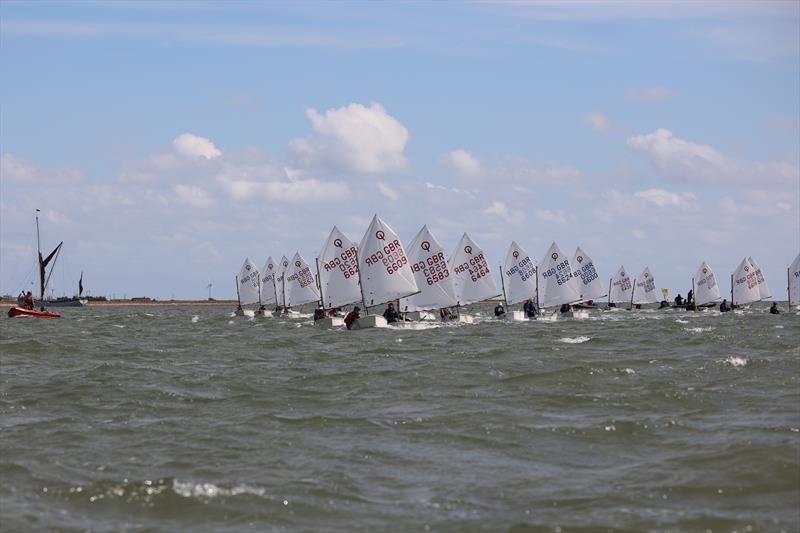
11	303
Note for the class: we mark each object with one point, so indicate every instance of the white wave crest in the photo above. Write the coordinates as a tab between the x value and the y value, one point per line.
735	361
574	340
698	330
187	489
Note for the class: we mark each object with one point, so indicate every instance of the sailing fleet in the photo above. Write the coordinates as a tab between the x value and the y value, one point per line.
427	284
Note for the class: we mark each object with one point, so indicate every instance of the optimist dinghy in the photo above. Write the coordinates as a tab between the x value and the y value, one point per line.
433	276
519	278
559	283
473	279
337	269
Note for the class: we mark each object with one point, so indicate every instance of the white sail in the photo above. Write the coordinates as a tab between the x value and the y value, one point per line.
794	281
589	282
621	287
432	273
558	284
706	289
763	288
383	266
519	275
269	294
301	285
473	280
248	283
338	271
745	284
280	286
645	291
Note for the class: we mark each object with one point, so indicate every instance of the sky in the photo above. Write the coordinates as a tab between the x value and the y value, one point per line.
164	142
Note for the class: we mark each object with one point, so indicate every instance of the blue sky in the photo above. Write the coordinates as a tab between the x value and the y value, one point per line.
166	141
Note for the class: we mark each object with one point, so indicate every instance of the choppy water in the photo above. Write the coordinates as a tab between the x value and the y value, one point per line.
186	419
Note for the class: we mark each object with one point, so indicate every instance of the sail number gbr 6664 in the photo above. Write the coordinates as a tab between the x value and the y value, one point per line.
391	255
476	267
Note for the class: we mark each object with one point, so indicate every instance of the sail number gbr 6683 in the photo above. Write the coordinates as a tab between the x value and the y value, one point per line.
434	268
391	256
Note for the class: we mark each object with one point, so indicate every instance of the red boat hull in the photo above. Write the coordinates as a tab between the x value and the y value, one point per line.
21	311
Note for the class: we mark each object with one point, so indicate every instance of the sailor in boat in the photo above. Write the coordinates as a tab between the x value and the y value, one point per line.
499	311
774	309
638	306
351	317
335	311
319	313
611	304
690	297
445	313
529	308
723	307
391	314
679	300
565	308
27	301
663	304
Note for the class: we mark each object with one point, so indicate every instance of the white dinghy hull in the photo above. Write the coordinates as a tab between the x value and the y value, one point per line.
370	321
516	316
576	314
416	316
466	319
264	312
329	322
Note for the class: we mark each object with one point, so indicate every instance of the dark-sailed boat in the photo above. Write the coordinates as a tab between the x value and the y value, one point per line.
44	278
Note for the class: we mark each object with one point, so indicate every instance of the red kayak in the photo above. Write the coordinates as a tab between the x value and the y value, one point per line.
21	311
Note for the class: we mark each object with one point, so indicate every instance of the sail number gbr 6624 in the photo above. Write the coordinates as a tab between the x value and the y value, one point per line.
433	268
391	256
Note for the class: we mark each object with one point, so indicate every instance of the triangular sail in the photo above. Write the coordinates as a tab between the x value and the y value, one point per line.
301	285
763	288
519	275
794	281
621	287
706	289
589	282
338	271
745	284
645	292
269	293
432	274
249	283
45	278
558	284
473	279
280	273
383	266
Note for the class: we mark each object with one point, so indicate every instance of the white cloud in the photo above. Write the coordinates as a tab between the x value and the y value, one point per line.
598	121
354	138
639	234
683	160
557	216
662	198
193	196
193	146
461	164
502	211
13	168
387	191
648	94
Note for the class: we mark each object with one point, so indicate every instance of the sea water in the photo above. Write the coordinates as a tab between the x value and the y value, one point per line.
185	418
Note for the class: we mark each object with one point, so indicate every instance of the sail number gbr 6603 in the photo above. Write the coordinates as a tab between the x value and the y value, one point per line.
391	256
433	268
476	267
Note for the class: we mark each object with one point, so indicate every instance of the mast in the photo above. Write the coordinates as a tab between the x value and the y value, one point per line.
260	305
633	290
360	286
503	284
39	257
731	291
238	298
319	284
538	307
609	290
788	289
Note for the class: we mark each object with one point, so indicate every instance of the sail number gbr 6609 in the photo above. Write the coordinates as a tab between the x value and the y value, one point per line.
476	267
391	256
433	268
